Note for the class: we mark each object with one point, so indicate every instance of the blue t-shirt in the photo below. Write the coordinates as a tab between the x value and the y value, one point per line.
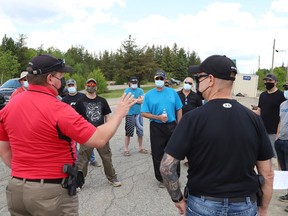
155	101
135	109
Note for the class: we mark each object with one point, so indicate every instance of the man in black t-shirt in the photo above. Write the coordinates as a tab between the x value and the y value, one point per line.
268	107
223	141
71	98
95	110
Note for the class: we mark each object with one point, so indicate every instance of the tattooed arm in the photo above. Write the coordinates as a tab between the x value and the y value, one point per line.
168	171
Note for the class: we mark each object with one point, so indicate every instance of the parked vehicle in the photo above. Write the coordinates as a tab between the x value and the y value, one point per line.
7	89
2	101
175	81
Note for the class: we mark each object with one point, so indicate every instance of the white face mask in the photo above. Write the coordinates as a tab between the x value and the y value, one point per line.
159	83
25	84
134	86
187	86
286	94
71	89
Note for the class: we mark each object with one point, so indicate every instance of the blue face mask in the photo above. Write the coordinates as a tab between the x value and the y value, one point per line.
187	86
71	89
159	83
25	84
286	94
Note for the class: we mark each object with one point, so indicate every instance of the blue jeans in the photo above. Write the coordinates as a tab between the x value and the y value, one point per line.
197	206
281	147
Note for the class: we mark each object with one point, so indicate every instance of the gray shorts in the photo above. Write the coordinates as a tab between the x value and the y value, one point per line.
272	138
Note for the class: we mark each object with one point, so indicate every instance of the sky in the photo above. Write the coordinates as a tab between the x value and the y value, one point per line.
244	30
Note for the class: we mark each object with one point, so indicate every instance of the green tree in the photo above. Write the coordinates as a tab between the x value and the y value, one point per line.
132	59
9	66
166	63
106	64
280	73
8	44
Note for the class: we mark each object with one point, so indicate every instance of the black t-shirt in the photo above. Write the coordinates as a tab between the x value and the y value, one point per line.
223	141
93	110
270	104
71	100
191	102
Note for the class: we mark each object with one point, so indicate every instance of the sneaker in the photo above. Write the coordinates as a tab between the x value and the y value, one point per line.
95	164
161	185
115	182
283	198
78	189
286	209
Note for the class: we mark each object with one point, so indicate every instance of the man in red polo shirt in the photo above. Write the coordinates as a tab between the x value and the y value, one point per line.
36	130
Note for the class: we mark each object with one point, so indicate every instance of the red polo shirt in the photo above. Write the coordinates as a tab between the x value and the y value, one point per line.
30	121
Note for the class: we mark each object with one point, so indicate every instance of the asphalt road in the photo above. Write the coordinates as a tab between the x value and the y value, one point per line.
139	195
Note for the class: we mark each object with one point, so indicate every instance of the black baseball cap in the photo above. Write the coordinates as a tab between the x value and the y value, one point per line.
71	82
270	77
45	63
220	66
160	73
133	79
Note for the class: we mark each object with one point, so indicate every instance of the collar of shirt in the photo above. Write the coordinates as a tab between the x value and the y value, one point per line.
43	89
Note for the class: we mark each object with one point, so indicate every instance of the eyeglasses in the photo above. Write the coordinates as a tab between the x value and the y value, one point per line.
56	77
91	84
198	77
159	78
190	83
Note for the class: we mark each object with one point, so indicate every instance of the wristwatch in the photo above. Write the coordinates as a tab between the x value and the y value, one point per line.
178	200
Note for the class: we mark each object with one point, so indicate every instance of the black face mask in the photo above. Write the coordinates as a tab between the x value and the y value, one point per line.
269	85
63	83
199	94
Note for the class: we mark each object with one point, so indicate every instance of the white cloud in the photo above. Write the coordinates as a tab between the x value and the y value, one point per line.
221	28
280	6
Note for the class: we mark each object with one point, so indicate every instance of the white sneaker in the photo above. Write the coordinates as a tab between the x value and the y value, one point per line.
115	182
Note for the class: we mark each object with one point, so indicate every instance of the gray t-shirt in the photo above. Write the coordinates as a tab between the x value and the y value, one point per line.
283	134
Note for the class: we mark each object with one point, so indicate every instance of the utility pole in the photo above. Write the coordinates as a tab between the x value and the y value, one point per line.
284	50
273	51
258	63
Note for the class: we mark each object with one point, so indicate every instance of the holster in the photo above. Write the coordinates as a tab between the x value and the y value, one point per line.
259	193
186	192
71	181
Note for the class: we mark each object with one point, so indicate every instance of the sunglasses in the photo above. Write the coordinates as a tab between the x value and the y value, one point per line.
159	78
24	79
190	83
285	88
198	77
91	84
